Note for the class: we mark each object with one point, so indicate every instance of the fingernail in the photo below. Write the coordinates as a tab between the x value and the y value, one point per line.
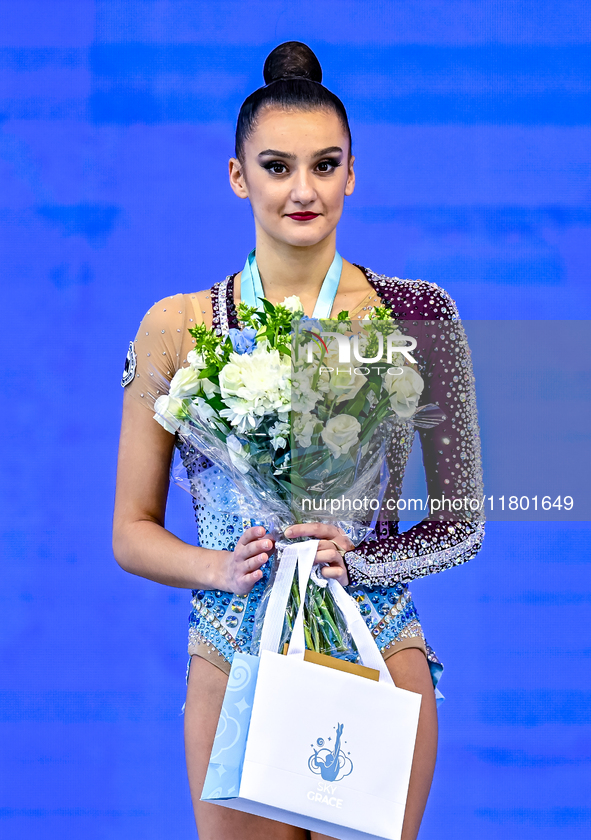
288	532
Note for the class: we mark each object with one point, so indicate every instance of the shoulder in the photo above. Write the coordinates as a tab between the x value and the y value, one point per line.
413	299
175	314
163	339
169	312
202	302
162	343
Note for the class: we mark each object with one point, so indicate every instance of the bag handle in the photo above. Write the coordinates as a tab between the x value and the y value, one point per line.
302	554
366	645
297	643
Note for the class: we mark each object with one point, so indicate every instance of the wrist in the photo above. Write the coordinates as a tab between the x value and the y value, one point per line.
223	565
212	569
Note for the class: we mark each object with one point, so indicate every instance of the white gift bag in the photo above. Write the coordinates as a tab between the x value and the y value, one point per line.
311	746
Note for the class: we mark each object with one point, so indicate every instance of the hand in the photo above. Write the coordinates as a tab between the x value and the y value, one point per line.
244	563
333	564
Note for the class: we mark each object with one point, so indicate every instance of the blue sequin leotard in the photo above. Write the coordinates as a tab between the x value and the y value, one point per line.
380	569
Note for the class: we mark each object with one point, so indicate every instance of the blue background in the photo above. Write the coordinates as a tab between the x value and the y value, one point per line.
472	129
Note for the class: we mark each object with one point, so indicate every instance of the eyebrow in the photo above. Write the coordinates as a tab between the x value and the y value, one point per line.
290	156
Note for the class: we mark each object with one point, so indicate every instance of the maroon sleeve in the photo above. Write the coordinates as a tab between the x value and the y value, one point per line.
448	535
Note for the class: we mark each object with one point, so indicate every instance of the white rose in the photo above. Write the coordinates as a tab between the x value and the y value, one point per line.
343	382
185	383
405	391
341	433
168	411
294	305
346	385
230	380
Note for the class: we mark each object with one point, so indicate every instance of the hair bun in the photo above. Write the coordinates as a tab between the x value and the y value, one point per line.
292	59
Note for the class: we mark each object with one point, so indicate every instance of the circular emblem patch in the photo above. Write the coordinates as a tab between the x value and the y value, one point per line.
130	366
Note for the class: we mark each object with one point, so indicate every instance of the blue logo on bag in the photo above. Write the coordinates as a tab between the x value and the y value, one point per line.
332	764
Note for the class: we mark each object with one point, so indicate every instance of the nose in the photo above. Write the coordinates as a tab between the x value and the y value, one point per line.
303	191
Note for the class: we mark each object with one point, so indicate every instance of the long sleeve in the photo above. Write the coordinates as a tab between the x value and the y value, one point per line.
451	533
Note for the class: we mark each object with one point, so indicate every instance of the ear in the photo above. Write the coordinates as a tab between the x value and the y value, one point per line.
237	179
350	186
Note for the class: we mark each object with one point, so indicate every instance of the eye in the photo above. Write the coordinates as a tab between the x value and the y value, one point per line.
276	167
328	165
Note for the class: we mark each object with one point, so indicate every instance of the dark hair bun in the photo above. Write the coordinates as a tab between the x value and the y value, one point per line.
292	59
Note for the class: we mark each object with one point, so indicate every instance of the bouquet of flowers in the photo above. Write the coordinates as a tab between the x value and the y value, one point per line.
296	432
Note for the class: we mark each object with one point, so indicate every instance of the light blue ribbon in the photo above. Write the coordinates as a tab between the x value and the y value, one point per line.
251	287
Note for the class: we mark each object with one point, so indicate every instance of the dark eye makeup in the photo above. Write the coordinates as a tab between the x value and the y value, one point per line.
332	162
277	167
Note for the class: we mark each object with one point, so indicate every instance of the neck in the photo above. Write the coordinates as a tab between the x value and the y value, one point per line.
287	269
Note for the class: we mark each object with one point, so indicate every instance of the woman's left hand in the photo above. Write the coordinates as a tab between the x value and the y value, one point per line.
332	560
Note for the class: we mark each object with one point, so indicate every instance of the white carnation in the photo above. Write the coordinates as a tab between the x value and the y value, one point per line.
255	384
240	415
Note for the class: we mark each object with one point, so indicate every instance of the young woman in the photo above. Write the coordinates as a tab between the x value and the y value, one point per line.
294	164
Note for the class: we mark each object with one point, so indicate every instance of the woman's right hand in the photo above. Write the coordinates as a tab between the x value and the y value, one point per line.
243	569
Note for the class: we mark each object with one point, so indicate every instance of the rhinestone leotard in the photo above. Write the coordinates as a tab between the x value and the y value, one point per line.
381	567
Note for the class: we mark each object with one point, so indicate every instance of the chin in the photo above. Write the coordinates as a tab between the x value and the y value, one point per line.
305	239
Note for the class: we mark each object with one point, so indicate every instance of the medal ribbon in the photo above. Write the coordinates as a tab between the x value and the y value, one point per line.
251	287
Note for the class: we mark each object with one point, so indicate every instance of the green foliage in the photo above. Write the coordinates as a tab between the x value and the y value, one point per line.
273	323
208	344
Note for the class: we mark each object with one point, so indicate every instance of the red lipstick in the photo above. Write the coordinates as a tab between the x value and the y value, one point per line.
303	217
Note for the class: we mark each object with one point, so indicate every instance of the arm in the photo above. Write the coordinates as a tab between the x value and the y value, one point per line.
451	456
141	543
